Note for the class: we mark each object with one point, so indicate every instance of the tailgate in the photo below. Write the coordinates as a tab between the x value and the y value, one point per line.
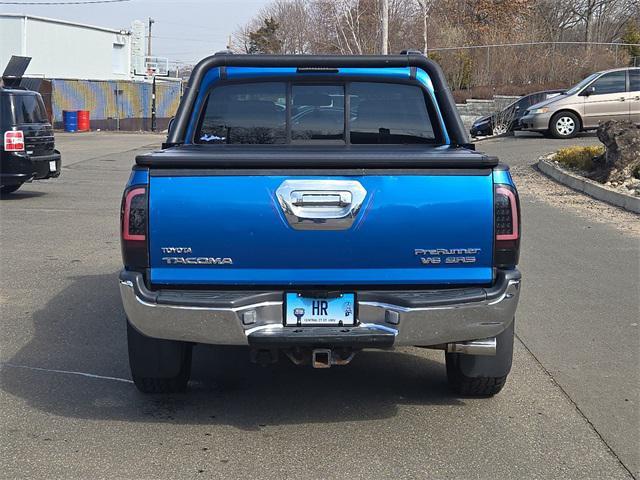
424	228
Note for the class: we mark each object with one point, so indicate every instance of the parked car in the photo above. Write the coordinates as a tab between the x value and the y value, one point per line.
508	119
368	222
608	95
28	146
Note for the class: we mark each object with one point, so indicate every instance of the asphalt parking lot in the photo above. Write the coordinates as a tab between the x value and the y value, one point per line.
68	409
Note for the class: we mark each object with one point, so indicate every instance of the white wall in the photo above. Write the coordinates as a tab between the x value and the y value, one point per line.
10	39
60	50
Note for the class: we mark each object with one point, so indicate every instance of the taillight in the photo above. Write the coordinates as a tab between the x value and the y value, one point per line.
506	207
14	141
133	227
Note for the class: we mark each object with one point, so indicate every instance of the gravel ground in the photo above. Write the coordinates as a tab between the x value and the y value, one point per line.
535	184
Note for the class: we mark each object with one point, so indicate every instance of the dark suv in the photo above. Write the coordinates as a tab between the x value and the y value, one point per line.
28	151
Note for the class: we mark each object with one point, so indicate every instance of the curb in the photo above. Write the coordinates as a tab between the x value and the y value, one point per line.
589	187
491	137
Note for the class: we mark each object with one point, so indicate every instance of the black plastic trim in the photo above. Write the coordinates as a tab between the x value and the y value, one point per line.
213	172
321	336
197	298
408	297
439	297
323	156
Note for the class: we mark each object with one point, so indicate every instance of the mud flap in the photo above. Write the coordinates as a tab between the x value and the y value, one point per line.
155	358
494	366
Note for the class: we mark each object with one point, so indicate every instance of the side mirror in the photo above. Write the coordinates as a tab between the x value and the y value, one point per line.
590	90
171	120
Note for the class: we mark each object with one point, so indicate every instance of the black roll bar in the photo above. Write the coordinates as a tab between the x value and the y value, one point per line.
452	121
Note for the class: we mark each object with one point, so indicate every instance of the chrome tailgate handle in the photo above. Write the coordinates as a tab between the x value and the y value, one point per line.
320	199
320	204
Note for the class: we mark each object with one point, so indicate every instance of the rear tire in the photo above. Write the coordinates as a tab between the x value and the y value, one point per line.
564	125
481	376
158	366
7	189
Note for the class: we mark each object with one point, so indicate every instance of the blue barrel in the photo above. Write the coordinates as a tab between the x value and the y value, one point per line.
70	120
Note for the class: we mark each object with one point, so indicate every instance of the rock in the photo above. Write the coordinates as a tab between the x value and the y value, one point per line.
622	154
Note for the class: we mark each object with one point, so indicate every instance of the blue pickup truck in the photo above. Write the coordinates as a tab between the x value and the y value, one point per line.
310	207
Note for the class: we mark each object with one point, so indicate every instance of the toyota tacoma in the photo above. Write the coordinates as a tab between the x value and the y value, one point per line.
310	207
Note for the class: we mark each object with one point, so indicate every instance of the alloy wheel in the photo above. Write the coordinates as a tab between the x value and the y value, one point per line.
500	129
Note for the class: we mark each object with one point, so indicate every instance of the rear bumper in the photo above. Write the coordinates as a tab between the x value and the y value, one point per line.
17	168
386	318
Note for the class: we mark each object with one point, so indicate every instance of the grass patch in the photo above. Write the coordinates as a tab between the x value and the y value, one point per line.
579	157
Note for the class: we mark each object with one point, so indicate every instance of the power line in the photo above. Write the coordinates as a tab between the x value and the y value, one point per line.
522	44
79	2
186	39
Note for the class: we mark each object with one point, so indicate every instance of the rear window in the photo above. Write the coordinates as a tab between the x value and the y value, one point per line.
278	112
389	113
28	109
245	113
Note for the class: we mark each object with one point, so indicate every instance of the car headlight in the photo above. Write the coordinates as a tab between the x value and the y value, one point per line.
539	111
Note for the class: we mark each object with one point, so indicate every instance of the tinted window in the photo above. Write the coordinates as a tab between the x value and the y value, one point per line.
245	113
28	109
5	113
317	112
579	86
634	80
529	100
613	82
279	112
389	113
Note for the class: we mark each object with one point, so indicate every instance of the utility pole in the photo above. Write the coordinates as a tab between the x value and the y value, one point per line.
384	27
153	106
151	22
153	88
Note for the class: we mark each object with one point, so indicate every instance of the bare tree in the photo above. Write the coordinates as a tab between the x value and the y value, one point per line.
354	27
384	27
425	9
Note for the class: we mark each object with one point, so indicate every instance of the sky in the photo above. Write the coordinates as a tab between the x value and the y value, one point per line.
185	31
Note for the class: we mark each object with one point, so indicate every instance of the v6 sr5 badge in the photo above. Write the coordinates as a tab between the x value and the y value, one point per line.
446	256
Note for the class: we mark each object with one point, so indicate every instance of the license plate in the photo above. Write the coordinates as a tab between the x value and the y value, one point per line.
52	166
302	310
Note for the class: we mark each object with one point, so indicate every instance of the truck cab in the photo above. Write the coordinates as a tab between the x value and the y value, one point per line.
28	148
309	207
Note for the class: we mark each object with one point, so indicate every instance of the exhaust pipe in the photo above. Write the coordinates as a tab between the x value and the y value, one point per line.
486	346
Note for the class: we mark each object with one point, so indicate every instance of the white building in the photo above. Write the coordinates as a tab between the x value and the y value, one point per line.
61	49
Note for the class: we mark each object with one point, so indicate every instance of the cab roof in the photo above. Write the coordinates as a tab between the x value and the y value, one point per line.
16	91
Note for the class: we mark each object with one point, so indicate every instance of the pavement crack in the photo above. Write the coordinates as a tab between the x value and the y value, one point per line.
578	409
66	372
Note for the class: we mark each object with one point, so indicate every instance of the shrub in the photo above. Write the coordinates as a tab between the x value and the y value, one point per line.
579	157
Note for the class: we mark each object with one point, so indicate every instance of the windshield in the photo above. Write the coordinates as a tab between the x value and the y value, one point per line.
582	84
283	112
